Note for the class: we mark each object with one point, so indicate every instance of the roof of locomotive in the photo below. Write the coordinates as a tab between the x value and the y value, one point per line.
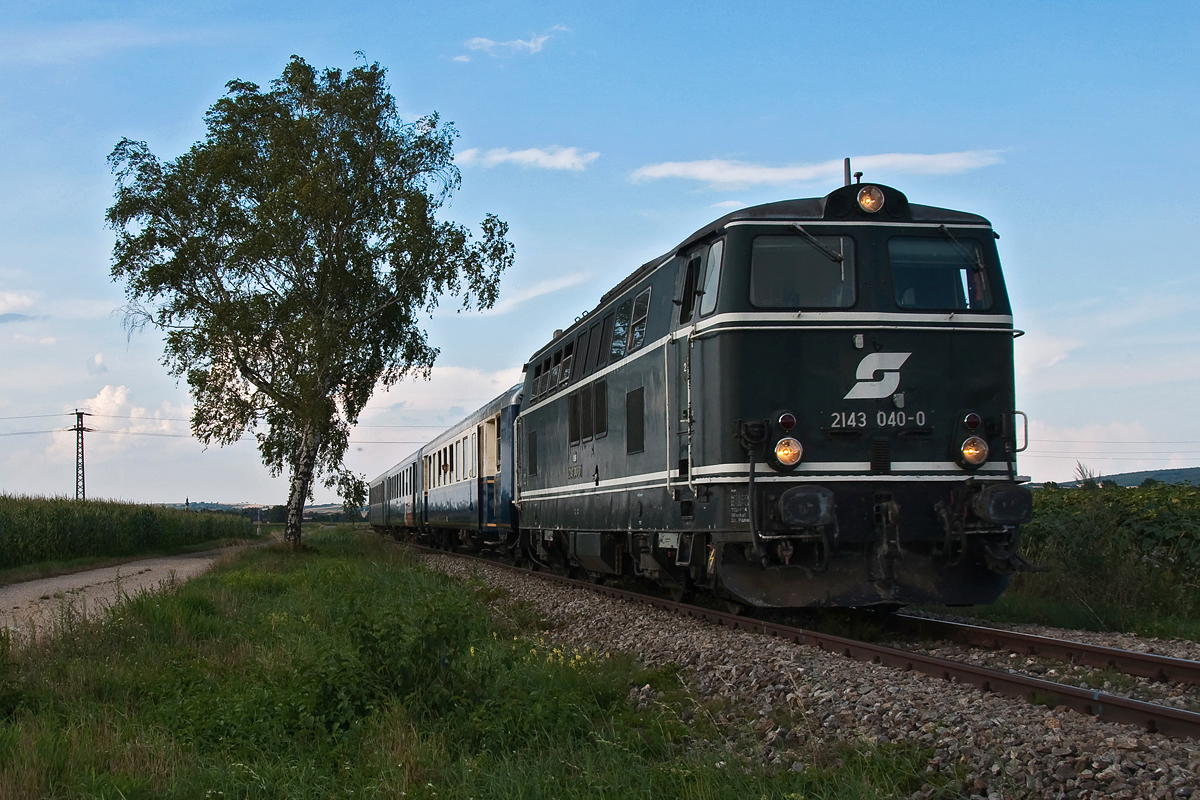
839	205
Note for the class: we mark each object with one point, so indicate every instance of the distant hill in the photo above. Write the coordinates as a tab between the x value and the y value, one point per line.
1185	475
332	512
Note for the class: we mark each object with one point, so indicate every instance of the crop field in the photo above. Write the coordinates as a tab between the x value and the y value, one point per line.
348	670
36	529
1118	558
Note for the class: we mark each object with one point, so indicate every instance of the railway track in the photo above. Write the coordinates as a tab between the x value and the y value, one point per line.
1143	665
1152	717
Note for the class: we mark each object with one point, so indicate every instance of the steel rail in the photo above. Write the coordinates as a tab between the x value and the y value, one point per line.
1144	665
1152	717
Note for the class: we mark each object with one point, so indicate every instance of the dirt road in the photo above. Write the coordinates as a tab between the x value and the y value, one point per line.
39	606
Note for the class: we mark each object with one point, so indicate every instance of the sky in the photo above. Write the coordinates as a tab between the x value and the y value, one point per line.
604	134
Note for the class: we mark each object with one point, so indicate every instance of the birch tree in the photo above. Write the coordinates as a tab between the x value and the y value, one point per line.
289	258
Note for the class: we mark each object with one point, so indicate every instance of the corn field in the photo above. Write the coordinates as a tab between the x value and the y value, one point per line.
34	529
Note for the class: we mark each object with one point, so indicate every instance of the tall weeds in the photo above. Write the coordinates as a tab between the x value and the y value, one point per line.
1119	558
34	529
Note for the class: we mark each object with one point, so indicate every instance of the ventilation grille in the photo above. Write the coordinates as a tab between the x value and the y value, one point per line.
881	455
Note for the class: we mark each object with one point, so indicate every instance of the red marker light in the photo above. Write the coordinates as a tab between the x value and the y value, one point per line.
972	421
787	421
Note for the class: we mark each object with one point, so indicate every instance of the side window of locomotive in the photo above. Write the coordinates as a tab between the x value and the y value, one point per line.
792	272
641	313
635	421
586	421
564	374
712	278
537	382
620	335
605	341
601	409
942	273
555	370
691	277
581	355
573	418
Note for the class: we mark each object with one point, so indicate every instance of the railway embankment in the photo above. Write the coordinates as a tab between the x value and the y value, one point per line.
801	700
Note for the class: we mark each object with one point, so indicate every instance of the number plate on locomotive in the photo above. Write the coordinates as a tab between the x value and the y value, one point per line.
878	419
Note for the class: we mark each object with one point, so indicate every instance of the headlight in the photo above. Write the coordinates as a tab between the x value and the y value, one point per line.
974	451
788	451
870	199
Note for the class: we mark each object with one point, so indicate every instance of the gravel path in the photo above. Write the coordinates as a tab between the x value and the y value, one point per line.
800	699
42	605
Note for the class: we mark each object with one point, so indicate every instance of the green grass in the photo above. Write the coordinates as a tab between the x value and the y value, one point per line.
35	530
348	671
1120	559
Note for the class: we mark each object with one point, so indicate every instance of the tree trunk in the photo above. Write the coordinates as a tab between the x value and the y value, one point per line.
301	478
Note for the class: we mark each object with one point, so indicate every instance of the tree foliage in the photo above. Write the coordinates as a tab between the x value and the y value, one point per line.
289	257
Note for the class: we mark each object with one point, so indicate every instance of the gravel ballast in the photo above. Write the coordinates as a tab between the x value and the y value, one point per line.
797	698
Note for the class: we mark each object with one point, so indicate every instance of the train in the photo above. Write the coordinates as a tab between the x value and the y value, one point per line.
808	403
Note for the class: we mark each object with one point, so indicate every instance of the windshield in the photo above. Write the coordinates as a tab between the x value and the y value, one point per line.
794	271
944	273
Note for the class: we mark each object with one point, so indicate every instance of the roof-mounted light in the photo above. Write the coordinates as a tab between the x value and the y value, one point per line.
870	199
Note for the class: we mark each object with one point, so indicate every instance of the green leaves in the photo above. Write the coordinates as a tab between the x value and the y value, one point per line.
288	258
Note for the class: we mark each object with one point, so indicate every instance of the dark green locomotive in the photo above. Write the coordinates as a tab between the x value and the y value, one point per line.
807	403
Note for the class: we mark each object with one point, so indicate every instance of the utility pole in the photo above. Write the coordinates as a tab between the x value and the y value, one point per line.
80	489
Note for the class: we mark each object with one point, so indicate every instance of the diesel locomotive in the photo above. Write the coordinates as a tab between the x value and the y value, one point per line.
807	403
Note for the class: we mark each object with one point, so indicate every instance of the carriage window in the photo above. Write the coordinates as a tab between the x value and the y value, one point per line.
792	272
944	273
712	278
641	310
620	332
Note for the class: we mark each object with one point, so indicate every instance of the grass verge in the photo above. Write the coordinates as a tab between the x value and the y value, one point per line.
349	671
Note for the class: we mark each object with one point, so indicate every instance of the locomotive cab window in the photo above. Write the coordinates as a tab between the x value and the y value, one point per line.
798	271
620	331
691	281
945	273
641	313
712	278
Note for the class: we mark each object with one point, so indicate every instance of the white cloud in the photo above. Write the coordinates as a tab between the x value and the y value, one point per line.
722	172
553	157
510	300
13	301
96	365
461	59
1038	350
79	41
44	340
533	44
120	426
731	204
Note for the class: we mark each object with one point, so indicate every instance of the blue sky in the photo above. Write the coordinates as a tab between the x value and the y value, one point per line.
605	134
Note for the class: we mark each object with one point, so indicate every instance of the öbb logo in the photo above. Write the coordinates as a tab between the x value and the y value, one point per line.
867	387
